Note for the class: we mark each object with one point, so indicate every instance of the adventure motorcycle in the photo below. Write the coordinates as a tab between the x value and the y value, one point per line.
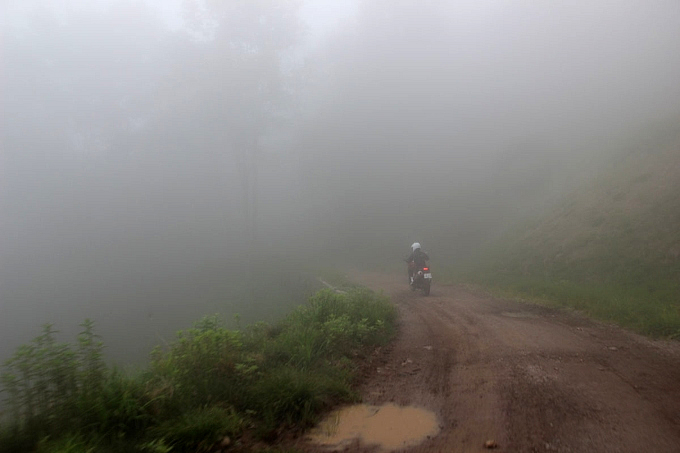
421	278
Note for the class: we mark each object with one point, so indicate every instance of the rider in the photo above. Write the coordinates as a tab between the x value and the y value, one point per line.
418	258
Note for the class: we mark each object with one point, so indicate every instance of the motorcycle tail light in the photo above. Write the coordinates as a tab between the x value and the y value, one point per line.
426	268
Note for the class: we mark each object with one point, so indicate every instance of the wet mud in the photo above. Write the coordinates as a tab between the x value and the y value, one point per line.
513	376
388	427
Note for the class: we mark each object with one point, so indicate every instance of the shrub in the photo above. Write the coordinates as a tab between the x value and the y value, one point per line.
211	382
332	325
47	383
199	429
290	396
206	364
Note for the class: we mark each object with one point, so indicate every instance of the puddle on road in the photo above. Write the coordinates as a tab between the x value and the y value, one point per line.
391	427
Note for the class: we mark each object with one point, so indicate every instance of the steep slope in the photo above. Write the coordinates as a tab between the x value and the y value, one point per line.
612	247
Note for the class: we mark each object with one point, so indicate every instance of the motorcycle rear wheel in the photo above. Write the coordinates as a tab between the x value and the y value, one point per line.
426	287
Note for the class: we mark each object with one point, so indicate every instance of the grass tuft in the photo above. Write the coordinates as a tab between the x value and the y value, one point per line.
197	430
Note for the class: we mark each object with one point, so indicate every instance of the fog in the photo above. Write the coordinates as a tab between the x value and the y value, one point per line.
162	160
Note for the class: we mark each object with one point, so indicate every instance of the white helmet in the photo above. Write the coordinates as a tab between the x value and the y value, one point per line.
415	246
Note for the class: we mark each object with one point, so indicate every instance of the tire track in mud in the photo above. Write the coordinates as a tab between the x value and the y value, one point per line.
528	377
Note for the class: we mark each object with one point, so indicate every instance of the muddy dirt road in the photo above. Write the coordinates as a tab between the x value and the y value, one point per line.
527	377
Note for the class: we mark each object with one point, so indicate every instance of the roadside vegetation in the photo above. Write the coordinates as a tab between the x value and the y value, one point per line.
248	385
633	307
611	249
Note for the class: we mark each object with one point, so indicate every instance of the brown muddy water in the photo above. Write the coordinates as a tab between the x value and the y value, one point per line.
390	427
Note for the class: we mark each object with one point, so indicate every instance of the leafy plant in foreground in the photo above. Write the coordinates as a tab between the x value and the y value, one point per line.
209	383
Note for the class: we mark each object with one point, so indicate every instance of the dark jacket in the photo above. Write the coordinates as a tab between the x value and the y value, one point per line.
419	257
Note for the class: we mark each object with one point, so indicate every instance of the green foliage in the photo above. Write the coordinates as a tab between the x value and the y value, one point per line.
332	325
41	381
205	364
155	446
611	249
71	443
628	306
54	388
92	369
122	408
290	396
209	383
613	282
197	430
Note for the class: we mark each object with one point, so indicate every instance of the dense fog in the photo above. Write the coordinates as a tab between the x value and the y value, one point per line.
160	159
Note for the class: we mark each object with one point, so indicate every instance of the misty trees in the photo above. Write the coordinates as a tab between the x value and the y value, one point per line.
116	116
232	87
75	88
76	81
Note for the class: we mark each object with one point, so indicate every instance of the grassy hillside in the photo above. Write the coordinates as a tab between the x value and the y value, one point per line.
612	248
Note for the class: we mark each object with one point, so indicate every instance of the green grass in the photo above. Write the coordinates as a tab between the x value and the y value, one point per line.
611	277
196	430
632	307
210	383
611	249
613	283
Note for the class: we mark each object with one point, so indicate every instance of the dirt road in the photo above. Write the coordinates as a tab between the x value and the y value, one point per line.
527	377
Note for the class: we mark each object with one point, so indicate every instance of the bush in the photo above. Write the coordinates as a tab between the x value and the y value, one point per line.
47	384
332	325
211	382
286	397
199	429
206	364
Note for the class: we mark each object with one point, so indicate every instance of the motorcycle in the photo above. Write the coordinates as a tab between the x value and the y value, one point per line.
421	278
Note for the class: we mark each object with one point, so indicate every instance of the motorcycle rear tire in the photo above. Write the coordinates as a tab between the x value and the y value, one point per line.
426	287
